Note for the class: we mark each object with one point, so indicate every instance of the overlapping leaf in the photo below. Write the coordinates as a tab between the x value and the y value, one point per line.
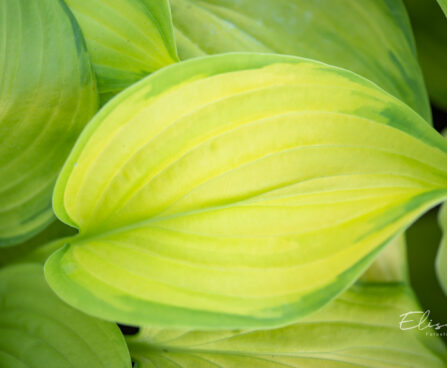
372	38
127	39
47	94
36	248
361	328
430	31
38	330
239	190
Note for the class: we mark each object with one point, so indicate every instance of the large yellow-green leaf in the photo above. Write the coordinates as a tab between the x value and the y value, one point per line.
430	31
38	330
361	328
238	190
370	37
127	39
47	94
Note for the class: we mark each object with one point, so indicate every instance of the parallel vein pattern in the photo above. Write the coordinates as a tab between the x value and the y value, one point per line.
358	329
47	94
372	38
127	39
239	190
38	330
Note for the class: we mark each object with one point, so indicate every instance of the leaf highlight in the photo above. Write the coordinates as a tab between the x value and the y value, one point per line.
240	190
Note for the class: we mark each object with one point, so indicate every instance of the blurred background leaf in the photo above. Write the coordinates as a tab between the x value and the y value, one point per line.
372	38
47	95
430	30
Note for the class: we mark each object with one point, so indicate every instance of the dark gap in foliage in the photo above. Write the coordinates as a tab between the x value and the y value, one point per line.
439	118
128	330
423	239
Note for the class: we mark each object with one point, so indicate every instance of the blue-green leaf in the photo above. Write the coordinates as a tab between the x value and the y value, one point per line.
370	37
47	95
38	330
127	39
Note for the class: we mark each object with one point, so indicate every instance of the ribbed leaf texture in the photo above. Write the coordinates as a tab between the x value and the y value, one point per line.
127	39
38	330
372	38
239	190
361	328
47	95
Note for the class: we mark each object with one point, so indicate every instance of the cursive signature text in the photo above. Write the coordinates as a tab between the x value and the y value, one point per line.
419	320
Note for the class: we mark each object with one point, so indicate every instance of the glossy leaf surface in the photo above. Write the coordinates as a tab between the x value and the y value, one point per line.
38	330
47	95
127	39
372	38
239	190
361	328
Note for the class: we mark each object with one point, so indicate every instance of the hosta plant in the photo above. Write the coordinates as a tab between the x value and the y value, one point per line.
232	178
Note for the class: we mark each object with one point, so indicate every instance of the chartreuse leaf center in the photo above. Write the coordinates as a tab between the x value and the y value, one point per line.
242	190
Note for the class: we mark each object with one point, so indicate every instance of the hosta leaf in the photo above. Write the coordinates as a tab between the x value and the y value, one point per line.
361	328
441	260
47	94
38	330
35	248
238	190
127	39
372	38
430	31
